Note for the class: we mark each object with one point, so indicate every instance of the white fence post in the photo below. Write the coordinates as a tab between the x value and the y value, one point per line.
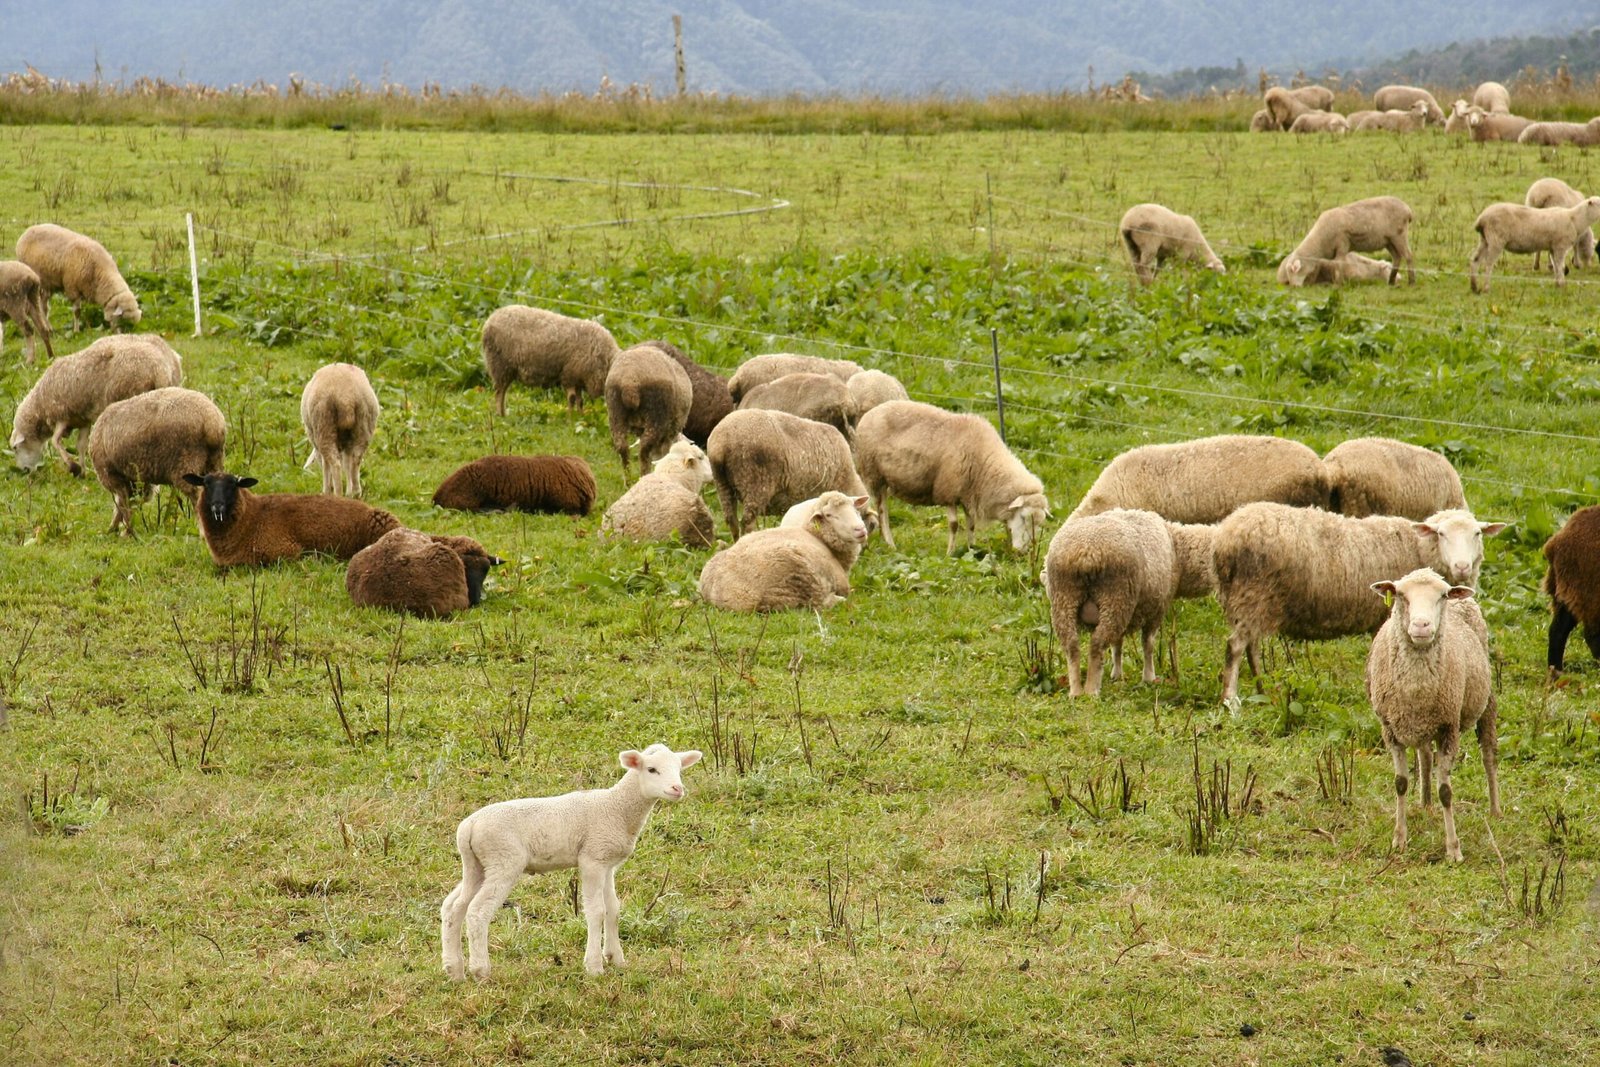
194	272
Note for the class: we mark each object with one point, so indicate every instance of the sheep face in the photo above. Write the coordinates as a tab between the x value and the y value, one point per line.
685	455
122	311
219	494
1419	600
1024	516
477	565
660	770
27	452
838	518
1457	540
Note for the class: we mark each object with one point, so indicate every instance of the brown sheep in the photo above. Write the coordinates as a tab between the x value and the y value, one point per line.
521	483
1572	579
244	529
420	574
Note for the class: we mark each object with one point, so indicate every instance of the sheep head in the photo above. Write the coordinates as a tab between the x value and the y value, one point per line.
26	451
1418	604
219	494
1455	540
1024	516
659	770
122	311
837	519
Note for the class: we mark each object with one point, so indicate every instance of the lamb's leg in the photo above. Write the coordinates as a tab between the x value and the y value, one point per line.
1489	749
1562	623
484	906
1449	740
953	518
881	500
451	914
613	917
1149	673
592	874
1397	752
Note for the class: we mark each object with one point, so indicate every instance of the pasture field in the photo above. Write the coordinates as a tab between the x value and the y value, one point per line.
905	845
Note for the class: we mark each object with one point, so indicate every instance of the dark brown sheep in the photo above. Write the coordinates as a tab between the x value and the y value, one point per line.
1573	581
422	574
523	483
712	401
244	529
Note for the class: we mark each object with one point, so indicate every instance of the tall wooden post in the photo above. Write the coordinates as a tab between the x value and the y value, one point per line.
677	51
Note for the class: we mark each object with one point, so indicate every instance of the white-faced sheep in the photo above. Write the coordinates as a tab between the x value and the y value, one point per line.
1459	121
818	397
23	301
712	401
1152	234
563	484
790	567
1519	228
759	370
648	394
1204	480
543	348
1382	476
1583	134
1404	97
82	269
243	529
1305	572
1263	122
1553	192
1321	122
871	388
927	456
1350	267
1493	126
1572	578
594	830
162	437
420	574
666	501
1428	680
339	411
1409	120
1378	222
765	461
1492	96
73	390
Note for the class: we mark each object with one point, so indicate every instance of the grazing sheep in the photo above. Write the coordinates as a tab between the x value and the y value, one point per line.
1153	234
1284	106
413	572
1572	578
765	461
759	370
1493	126
23	300
241	528
594	830
1382	476
1305	572
522	483
339	411
1117	572
73	390
1460	118
1428	680
161	437
790	567
1492	96
712	401
649	394
1321	122
543	348
1263	122
1404	98
1553	192
666	501
1584	134
871	388
80	267
1519	228
1204	480
819	397
1379	222
1409	120
1316	97
928	456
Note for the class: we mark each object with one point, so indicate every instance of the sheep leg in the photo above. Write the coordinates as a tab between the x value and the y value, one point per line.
613	918
1449	742
1562	623
1402	781
1237	644
1425	775
352	471
1108	634
627	472
500	398
453	911
484	906
1400	251
1070	644
1489	749
593	874
1558	264
1482	265
881	500
1116	661
952	516
1149	673
73	466
77	316
121	513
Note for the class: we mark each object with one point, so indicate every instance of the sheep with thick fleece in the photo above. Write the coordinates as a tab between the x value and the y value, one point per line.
1284	106
791	567
1583	134
23	300
1460	118
1205	479
1316	97
562	484
544	348
1120	571
1350	267
666	501
1553	192
1264	122
711	402
1493	126
1152	234
160	437
871	388
765	461
1305	572
419	574
1382	476
1572	579
1519	228
1428	679
1321	122
339	411
818	397
243	529
1408	120
594	830
1492	96
928	456
82	269
1404	98
649	395
759	370
75	389
1378	222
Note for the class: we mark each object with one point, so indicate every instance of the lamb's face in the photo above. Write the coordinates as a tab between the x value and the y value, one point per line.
219	494
1457	538
687	456
27	452
1419	602
660	770
838	518
1025	518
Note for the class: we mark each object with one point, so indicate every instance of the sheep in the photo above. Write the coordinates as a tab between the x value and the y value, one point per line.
1493	126
81	268
1493	97
666	501
1460	118
594	830
928	456
1553	192
1320	122
562	484
1519	228
712	401
1263	122
1404	97
649	394
413	572
543	348
1368	225
1382	476
1205	479
1409	120
1428	680
339	411
759	370
73	390
871	388
1316	97
1350	267
1284	106
1355	118
161	437
1119	571
765	461
1572	579
1304	572
1584	134
22	300
790	567
819	397
1153	234
241	528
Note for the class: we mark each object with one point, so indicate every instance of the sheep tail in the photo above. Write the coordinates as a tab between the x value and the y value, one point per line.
310	459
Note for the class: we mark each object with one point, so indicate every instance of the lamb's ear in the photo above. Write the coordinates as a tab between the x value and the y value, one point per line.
1424	530
194	479
631	760
1489	529
689	758
245	483
1383	589
860	501
1460	592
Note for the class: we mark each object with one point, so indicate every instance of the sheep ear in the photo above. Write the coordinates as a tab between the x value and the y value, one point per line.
816	520
1383	589
631	760
495	561
689	758
859	501
194	479
1489	529
245	483
1424	530
1459	592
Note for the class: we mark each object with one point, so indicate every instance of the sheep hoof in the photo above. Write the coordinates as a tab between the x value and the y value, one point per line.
481	973
75	469
594	966
455	971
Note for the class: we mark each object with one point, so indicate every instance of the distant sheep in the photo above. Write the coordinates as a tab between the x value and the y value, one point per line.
648	395
241	528
543	348
759	370
1460	118
161	437
790	567
1378	222
81	268
1315	97
1572	579
23	301
339	411
765	461
1553	192
666	501
419	574
1492	96
521	483
1584	134
1381	476
1350	267
1263	122
1408	120
1204	480
1493	126
1321	122
818	397
1519	228
1404	97
871	388
1284	106
1152	234
712	401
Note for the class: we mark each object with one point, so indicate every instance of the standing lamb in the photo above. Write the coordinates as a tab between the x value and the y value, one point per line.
1404	97
1152	234
1493	126
241	528
80	267
423	575
871	388
1553	192
765	461
1379	222
23	301
594	830
339	411
1321	122
523	483
543	348
790	567
1382	476
666	501
162	437
759	370
818	397
1204	480
1429	682
928	456
1492	96
712	401
1572	578
649	394
1583	134
1519	228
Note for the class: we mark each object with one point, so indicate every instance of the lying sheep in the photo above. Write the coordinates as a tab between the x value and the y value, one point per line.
162	437
23	301
712	401
243	529
73	390
1379	222
648	394
819	397
1584	134
1428	680
1305	572
1350	267
871	388
765	461
80	267
1204	480
594	830
1321	122
1553	192
1284	106
1492	96
1117	572
666	501
419	574
1572	579
339	411
1355	118
1263	122
759	370
1519	228
790	567
1409	120
1404	98
562	484
1460	118
1493	126
928	456
543	348
1152	234
1382	476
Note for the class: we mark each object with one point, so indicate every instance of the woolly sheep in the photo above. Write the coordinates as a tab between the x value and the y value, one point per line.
1572	579
594	830
1492	96
1263	122
1153	234
523	483
1585	134
1553	192
23	301
1316	97
1493	126
871	388
420	574
161	437
1460	118
1305	572
1350	267
543	348
1404	97
1382	476
339	411
818	397
647	394
241	528
1321	122
666	501
1519	228
1378	222
1206	479
1284	106
73	390
711	403
927	456
1355	118
1428	680
1409	120
765	461
81	268
790	567
759	370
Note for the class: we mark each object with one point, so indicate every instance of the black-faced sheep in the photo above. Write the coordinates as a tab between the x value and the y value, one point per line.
562	484
80	267
162	437
241	528
648	394
1378	222
339	411
1519	228
23	301
1382	476
765	461
1572	579
1152	234
543	348
420	574
1204	480
790	567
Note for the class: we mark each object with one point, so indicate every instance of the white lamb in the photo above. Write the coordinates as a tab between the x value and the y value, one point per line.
1519	228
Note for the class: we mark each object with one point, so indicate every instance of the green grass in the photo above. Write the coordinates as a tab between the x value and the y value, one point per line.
865	888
